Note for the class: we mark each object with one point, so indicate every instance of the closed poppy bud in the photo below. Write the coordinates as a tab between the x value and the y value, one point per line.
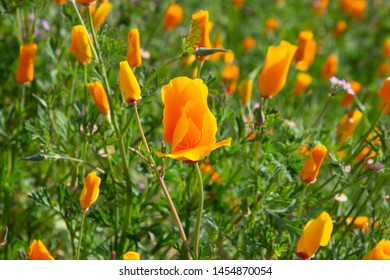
386	48
199	35
100	15
316	233
245	89
271	24
348	124
134	48
340	27
86	2
131	256
38	251
348	98
329	69
302	81
80	46
25	70
306	51
189	125
275	69
99	96
128	83
248	43
173	16
90	191
313	164
384	92
380	252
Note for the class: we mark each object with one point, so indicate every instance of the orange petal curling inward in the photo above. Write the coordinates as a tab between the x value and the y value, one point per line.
275	69
313	164
189	125
316	233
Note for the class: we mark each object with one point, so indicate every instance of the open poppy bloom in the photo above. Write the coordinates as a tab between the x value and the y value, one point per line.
189	125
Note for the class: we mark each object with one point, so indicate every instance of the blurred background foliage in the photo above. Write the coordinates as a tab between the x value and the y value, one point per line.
249	211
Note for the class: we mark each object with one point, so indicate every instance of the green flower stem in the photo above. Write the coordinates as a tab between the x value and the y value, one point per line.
360	143
200	211
74	80
19	27
81	235
129	192
316	122
163	185
305	186
200	66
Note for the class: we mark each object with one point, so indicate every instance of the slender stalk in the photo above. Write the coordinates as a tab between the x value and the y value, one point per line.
163	186
129	192
200	66
305	186
316	122
81	235
200	211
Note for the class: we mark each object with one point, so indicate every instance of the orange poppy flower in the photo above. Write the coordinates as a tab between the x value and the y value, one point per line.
329	68
25	70
275	69
189	125
173	16
80	46
380	252
134	48
90	191
99	96
313	164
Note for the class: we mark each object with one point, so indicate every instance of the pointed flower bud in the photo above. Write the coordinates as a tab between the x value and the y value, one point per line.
307	48
275	69
199	35
316	233
134	48
100	15
245	89
99	96
25	70
90	190
313	164
128	83
80	46
38	251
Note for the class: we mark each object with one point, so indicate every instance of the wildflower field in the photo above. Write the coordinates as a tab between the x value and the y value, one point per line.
158	129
